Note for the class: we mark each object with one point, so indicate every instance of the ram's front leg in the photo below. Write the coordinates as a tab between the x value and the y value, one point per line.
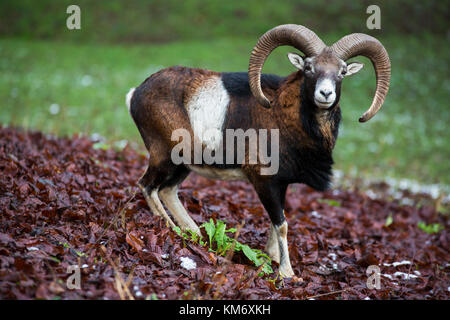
272	246
285	262
272	196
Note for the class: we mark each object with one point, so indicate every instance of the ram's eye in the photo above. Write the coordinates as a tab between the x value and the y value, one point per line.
343	72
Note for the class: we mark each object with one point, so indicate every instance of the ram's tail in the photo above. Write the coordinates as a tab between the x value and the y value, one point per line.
128	98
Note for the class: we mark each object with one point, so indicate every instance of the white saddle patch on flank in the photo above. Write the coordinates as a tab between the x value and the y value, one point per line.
207	109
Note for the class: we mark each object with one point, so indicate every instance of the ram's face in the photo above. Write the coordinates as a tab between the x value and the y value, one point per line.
323	75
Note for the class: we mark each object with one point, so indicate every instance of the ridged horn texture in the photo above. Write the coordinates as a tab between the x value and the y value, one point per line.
359	44
293	35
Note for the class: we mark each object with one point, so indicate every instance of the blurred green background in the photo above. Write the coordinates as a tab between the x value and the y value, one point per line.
69	81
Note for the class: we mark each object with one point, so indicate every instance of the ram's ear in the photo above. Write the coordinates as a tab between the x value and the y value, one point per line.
353	68
296	60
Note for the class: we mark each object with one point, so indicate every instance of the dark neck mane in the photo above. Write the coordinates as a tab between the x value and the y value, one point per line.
310	161
322	127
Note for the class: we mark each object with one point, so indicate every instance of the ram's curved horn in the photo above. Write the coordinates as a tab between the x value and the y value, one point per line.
293	35
359	44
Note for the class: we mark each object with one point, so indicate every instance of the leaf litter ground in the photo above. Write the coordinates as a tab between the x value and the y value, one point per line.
60	204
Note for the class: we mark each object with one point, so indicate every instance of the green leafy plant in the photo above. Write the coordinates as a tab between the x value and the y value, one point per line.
389	220
101	145
221	243
67	246
430	228
330	202
152	296
189	235
55	259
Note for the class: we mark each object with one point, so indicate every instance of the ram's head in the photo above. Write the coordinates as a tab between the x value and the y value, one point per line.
323	67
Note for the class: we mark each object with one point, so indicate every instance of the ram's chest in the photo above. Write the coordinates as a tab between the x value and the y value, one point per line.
207	105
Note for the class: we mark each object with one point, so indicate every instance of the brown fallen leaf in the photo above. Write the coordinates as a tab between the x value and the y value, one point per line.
134	241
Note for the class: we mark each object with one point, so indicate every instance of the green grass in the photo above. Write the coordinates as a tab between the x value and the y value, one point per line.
169	20
407	138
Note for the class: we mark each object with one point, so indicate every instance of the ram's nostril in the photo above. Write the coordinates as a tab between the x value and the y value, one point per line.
326	94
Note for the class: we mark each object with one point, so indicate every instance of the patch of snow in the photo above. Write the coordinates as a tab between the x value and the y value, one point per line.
401	263
188	263
121	144
373	147
32	248
433	190
324	268
336	192
387	276
397	195
97	137
404	276
86	80
333	256
14	92
389	138
165	255
407	202
371	194
316	214
338	174
396	264
54	109
397	185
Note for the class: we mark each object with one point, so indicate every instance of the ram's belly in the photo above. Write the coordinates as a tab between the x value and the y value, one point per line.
220	174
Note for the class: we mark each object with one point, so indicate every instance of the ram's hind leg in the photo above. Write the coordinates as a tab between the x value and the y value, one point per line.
159	170
150	191
169	196
157	118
